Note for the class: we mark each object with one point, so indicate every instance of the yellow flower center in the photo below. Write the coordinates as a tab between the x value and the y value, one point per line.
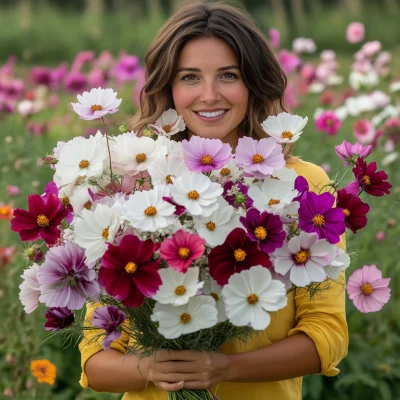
302	256
141	157
84	164
193	195
180	290
206	160
273	202
252	298
260	233
346	212
225	171
88	205
185	318
210	225
366	179
184	252
150	211
287	135
42	221
131	267
65	201
239	255
367	289
167	128
168	179
105	233
96	107
257	159
319	220
329	121
215	296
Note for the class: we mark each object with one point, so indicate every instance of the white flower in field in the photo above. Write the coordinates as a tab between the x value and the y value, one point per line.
306	257
168	124
211	288
80	159
284	127
196	192
394	86
390	158
250	295
82	199
163	168
25	108
339	264
316	87
29	289
95	229
147	210
96	103
274	196
199	313
133	154
177	287
229	171
304	45
217	226
334	80
288	175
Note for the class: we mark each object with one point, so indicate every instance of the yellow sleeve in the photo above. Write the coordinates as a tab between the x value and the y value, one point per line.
323	318
89	347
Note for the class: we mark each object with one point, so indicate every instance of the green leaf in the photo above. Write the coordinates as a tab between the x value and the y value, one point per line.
385	391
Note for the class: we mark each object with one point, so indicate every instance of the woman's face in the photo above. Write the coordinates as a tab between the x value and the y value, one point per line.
208	80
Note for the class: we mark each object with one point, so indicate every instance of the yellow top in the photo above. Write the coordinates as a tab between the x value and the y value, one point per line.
323	319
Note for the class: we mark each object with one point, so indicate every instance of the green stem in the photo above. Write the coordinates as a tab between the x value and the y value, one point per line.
108	147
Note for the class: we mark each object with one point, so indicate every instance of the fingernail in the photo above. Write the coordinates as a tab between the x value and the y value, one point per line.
181	383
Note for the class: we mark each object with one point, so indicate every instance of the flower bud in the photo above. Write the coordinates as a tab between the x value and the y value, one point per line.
240	198
123	128
34	253
50	160
148	133
11	359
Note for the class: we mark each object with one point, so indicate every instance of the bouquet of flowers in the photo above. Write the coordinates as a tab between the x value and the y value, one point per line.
186	245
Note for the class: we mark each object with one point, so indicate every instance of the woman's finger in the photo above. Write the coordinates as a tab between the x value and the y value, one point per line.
169	387
185	367
177	355
200	385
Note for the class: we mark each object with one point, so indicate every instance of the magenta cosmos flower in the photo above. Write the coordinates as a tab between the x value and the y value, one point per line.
64	278
369	180
354	209
128	272
364	131
181	250
349	152
241	198
109	318
367	289
236	254
41	221
58	318
259	157
274	38
265	229
204	155
127	68
328	122
317	215
51	188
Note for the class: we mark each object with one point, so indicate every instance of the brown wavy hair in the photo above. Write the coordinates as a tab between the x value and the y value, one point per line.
258	64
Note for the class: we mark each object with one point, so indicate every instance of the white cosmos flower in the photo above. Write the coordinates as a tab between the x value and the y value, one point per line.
196	192
80	159
211	288
216	227
284	128
177	287
250	294
199	313
163	168
147	210
29	289
95	229
133	154
274	196
305	256
339	264
288	175
168	124
81	198
229	171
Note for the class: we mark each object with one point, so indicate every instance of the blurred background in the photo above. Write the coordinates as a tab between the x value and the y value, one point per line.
52	50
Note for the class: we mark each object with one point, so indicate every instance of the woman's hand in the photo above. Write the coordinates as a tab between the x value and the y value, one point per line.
172	370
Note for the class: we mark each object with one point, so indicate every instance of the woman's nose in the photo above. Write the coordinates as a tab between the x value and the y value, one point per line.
210	92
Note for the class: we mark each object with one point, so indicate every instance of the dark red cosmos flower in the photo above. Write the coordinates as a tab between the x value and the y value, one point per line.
42	219
58	318
370	181
127	271
236	254
354	209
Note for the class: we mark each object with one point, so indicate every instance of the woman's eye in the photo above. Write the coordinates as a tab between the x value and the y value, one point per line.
191	78
233	76
188	76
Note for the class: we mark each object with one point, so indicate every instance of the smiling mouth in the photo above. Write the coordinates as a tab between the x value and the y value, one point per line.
211	116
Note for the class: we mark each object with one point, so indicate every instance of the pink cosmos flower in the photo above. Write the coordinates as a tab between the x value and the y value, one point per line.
41	76
289	61
181	250
29	289
328	122
75	82
347	151
274	38
12	190
364	131
127	68
370	48
367	289
355	32
6	255
259	157
380	236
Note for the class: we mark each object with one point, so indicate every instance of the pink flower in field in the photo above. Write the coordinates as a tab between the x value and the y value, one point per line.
355	32
368	291
53	100
127	68
75	82
328	122
327	97
308	72
364	131
274	38
12	190
380	236
58	74
371	48
97	78
326	167
328	56
289	61
41	76
181	250
347	151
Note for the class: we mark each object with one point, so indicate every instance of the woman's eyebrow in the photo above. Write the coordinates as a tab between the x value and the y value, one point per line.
199	70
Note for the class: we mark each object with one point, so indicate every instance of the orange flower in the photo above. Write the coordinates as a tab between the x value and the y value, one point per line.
6	212
44	371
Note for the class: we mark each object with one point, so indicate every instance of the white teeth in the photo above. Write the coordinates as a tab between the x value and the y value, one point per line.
212	114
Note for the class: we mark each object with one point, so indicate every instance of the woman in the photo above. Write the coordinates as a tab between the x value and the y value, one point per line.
210	58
